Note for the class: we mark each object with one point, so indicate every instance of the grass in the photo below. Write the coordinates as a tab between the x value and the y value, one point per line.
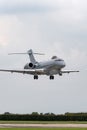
43	128
43	122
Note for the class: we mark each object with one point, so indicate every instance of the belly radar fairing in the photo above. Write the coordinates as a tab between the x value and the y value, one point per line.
50	68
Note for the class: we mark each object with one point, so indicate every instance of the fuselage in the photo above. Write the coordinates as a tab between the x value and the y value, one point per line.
56	63
47	64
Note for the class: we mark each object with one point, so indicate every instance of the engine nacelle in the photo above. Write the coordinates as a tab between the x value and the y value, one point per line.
30	66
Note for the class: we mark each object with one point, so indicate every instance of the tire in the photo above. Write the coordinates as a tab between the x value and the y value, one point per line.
51	77
35	76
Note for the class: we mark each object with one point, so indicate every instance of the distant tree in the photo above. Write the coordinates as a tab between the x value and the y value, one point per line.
7	113
52	114
47	114
41	113
35	113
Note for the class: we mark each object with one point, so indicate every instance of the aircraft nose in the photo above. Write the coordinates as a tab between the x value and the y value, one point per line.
63	64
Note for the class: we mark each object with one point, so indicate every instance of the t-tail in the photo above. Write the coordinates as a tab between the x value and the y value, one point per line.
31	56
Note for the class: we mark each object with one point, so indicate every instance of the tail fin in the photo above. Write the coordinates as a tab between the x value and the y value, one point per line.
31	56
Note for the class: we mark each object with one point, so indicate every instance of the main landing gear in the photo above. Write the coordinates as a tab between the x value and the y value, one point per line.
51	77
35	76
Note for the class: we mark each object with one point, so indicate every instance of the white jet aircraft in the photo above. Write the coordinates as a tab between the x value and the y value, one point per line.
50	68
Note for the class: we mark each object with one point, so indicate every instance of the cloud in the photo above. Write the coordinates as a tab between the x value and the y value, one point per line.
58	30
17	6
24	2
7	25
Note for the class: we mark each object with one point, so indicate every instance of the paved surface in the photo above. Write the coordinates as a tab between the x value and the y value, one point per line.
43	125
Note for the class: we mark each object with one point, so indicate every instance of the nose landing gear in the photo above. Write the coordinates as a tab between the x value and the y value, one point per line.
60	74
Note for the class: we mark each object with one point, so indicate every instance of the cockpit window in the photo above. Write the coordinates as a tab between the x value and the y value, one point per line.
54	57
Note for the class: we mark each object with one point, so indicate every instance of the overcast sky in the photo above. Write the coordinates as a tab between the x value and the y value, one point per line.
53	27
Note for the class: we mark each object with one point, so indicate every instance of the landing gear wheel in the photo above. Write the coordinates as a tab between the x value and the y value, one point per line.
51	77
60	74
35	76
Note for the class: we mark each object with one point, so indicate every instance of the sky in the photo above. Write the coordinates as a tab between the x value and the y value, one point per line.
53	27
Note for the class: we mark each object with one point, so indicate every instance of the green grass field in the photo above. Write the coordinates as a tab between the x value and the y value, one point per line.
43	128
43	122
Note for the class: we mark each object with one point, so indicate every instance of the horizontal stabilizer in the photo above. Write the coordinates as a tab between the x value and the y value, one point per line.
24	53
16	53
28	52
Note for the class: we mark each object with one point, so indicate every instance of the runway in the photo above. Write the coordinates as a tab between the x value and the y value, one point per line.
43	125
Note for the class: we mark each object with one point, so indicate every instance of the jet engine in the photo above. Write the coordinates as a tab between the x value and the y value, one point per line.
31	65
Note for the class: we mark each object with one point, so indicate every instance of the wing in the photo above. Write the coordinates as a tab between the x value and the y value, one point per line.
69	71
32	72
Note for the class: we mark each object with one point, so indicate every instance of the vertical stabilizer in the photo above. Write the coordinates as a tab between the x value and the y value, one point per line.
31	56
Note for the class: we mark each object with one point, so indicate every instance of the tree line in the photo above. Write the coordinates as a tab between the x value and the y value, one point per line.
35	116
